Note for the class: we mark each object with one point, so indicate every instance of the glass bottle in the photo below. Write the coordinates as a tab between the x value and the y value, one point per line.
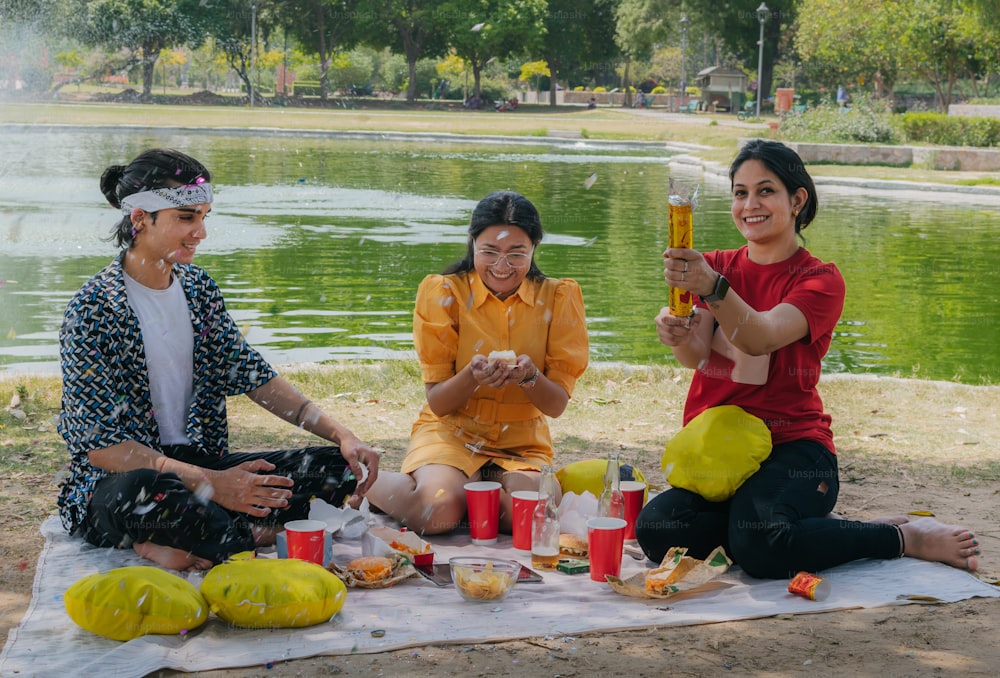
545	523
612	502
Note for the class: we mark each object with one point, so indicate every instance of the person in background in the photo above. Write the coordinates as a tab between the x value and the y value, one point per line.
842	98
486	420
757	339
149	355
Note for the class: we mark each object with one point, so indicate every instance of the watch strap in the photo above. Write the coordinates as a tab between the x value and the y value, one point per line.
719	293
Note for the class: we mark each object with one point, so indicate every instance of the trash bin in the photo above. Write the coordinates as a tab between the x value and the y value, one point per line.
784	99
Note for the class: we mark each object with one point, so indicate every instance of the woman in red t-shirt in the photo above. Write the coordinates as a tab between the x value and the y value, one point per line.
756	340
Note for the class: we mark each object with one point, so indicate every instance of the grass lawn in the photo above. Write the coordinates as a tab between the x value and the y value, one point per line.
715	134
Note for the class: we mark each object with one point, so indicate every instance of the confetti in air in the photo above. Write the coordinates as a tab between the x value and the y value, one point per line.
590	181
478	27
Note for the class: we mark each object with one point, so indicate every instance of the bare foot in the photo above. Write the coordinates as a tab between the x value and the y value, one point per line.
928	539
171	558
895	520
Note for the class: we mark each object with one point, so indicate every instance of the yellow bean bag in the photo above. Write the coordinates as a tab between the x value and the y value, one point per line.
716	452
129	602
273	593
588	476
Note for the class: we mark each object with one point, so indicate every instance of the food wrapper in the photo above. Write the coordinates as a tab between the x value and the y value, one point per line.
385	541
401	569
346	523
677	574
574	512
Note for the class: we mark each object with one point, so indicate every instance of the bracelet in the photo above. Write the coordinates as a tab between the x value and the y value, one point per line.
902	541
529	382
302	408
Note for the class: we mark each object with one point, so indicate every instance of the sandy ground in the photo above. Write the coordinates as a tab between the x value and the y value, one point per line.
884	453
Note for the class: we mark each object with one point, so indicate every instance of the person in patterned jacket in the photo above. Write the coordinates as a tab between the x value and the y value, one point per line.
149	355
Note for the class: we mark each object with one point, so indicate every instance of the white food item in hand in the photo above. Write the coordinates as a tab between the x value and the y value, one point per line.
508	357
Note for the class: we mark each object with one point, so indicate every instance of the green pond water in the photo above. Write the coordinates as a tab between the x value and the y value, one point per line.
319	244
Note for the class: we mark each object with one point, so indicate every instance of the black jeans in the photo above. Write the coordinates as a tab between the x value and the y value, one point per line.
144	505
775	525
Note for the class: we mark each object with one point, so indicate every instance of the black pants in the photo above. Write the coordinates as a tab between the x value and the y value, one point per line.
145	505
775	524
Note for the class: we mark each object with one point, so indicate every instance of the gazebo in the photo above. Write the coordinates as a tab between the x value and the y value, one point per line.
723	88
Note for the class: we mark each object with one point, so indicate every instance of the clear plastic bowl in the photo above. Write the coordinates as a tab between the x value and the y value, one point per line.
483	579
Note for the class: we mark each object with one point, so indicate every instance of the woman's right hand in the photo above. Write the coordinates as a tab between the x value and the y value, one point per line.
495	375
246	489
674	331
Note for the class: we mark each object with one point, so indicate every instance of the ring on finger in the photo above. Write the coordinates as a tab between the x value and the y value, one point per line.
686	264
683	275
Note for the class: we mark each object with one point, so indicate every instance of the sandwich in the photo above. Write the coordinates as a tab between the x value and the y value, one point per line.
573	545
508	357
663	580
370	568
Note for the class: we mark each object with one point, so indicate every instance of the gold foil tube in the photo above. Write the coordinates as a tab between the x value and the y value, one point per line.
681	234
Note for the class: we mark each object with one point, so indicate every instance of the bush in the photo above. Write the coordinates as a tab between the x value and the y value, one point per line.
868	121
938	128
600	89
659	89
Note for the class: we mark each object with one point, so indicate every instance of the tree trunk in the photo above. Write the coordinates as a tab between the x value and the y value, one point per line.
553	79
627	101
477	72
412	49
324	57
150	53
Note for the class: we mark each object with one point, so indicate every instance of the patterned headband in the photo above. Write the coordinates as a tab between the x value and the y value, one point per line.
167	198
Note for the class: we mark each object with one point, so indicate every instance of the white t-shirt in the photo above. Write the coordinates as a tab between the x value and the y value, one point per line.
169	341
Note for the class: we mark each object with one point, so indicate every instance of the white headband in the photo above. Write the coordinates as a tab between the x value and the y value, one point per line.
167	198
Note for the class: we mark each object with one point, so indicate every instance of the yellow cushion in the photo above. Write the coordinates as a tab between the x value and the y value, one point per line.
716	452
129	602
273	593
588	476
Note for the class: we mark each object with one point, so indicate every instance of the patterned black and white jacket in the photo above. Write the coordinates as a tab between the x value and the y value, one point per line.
105	392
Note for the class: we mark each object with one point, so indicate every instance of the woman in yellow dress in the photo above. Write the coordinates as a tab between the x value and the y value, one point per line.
486	419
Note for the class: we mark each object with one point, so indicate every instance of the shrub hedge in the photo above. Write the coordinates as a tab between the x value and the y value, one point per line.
944	130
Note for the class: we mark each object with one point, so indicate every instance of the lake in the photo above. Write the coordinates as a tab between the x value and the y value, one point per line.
319	243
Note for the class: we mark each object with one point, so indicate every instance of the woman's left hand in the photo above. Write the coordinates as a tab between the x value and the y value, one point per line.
495	375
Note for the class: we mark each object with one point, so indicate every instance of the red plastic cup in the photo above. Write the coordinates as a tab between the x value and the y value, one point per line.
605	541
305	540
483	501
524	502
634	492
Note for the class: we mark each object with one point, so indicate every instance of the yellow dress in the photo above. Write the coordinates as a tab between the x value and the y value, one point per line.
456	317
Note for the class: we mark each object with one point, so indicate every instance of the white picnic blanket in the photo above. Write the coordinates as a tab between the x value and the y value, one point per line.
416	612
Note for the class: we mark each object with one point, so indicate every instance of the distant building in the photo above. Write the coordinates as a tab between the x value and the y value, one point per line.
723	88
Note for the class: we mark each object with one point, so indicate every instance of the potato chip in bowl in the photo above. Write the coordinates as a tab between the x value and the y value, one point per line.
483	579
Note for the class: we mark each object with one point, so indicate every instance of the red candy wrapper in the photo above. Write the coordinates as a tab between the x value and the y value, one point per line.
809	586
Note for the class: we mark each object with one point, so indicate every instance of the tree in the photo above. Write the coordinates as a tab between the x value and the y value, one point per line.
579	37
481	30
941	42
639	25
326	26
413	27
739	27
143	27
837	51
536	70
234	25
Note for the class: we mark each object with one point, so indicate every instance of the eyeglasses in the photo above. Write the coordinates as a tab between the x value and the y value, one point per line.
514	259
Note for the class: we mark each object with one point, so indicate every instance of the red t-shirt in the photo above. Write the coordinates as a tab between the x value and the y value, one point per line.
782	385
